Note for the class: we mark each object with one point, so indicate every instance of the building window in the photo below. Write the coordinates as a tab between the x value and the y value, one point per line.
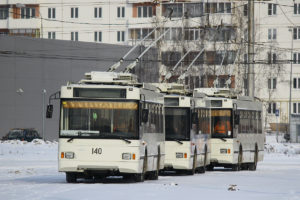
145	11
74	36
173	10
272	108
272	58
272	34
194	9
74	12
272	9
121	36
295	60
121	12
140	33
3	13
296	33
297	9
98	12
51	35
246	10
296	83
296	108
272	82
27	13
98	36
51	13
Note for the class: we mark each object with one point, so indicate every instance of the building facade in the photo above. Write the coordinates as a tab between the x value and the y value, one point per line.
209	38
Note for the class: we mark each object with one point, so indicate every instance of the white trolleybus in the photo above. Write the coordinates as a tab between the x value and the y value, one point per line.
237	137
110	125
186	148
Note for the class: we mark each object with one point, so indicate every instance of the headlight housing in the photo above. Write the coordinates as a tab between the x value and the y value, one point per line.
179	155
69	155
126	156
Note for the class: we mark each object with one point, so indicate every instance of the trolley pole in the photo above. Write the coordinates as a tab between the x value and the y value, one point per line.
251	39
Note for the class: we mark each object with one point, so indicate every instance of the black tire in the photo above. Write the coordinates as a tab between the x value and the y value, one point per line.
193	170
141	177
71	177
210	168
252	166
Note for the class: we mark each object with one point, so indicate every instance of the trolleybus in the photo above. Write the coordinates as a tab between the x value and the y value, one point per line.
111	125
237	137
186	147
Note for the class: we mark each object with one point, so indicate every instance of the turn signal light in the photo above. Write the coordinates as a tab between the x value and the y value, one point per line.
133	156
62	155
228	151
185	155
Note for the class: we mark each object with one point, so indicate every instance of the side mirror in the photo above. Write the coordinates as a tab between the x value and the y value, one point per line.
145	113
236	119
49	111
195	118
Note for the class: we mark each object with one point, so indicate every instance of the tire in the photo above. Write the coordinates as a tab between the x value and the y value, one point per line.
141	177
210	168
192	171
71	177
252	166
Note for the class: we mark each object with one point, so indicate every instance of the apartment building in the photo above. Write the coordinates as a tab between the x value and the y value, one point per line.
207	37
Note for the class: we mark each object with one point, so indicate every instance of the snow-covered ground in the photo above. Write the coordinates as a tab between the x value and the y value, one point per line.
29	171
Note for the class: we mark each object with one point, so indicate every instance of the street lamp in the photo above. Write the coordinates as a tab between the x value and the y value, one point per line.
291	72
20	5
43	113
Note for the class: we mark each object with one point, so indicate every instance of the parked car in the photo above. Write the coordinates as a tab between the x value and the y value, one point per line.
23	134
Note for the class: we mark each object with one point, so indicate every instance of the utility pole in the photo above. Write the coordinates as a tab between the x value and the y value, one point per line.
251	39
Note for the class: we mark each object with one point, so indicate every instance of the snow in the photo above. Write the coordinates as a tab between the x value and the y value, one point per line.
29	171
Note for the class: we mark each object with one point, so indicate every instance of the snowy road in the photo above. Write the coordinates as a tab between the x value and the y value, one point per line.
29	171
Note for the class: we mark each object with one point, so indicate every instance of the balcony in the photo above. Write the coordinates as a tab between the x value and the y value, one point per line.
33	23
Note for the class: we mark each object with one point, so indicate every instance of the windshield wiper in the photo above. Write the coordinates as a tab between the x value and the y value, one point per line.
70	140
223	139
125	140
177	141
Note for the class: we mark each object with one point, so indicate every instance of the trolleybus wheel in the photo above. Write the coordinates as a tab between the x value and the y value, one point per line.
252	166
71	177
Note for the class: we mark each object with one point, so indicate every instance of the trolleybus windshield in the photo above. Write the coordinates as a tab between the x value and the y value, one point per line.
99	119
177	123
221	123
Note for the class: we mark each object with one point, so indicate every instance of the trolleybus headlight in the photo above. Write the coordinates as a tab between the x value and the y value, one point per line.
126	156
179	155
225	151
69	155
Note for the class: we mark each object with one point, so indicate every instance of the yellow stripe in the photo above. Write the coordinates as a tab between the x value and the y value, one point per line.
100	105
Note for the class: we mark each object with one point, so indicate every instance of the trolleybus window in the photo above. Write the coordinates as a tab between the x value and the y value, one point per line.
177	123
221	123
99	119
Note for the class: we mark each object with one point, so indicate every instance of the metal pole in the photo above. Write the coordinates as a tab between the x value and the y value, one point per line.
43	114
251	40
291	72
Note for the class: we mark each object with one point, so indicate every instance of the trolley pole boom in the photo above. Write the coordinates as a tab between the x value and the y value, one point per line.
133	64
116	65
169	74
182	76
